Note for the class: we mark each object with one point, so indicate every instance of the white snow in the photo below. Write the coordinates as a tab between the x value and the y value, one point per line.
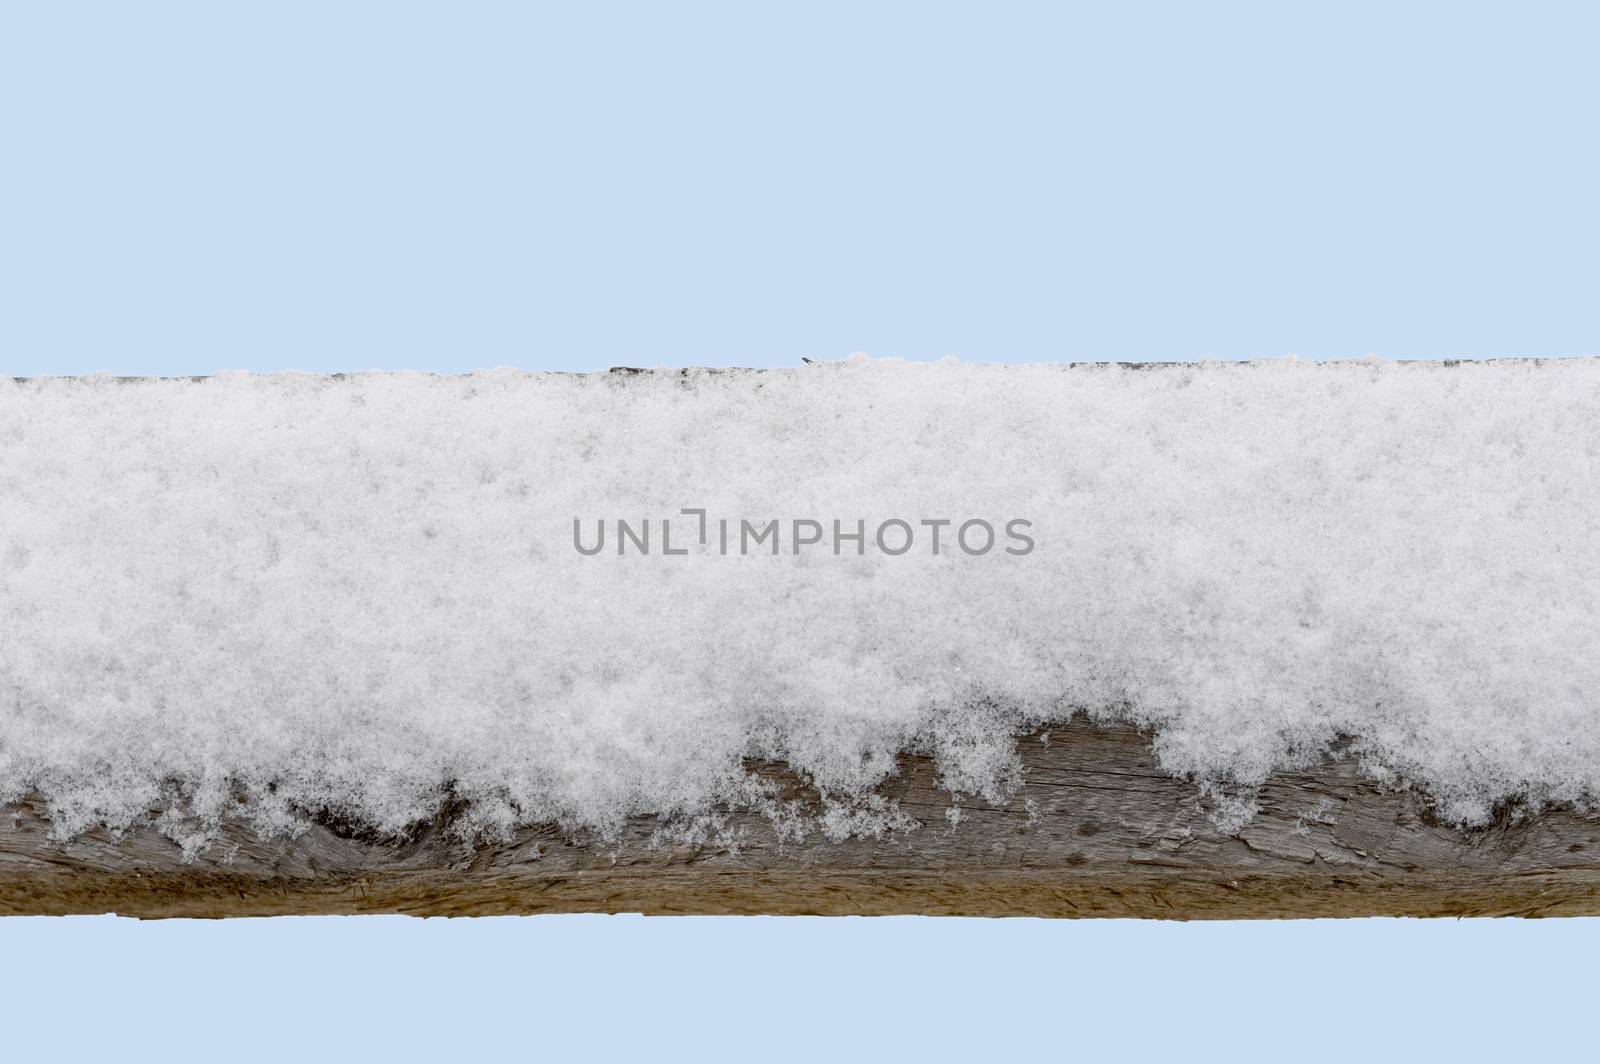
266	595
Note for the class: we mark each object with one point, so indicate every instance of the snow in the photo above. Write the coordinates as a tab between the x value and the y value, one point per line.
273	595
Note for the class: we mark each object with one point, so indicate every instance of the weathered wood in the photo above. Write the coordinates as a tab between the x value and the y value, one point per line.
1097	830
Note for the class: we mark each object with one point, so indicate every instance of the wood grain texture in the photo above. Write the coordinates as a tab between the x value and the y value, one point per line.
1097	830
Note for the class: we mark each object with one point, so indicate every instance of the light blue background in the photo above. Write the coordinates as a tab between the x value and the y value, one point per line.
337	185
906	989
192	187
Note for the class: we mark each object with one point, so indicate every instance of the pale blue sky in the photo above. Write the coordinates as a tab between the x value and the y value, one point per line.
804	989
335	185
191	187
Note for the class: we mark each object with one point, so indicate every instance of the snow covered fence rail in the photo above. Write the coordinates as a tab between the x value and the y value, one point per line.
1099	830
739	641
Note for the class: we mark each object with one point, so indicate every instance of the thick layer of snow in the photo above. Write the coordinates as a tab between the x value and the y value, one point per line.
273	594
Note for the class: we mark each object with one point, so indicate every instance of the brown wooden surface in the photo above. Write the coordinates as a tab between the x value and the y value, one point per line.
1096	831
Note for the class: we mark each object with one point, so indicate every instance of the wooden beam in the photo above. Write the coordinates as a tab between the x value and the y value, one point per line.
1097	830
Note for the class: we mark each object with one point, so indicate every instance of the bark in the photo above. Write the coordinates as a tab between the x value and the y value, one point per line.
1097	830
